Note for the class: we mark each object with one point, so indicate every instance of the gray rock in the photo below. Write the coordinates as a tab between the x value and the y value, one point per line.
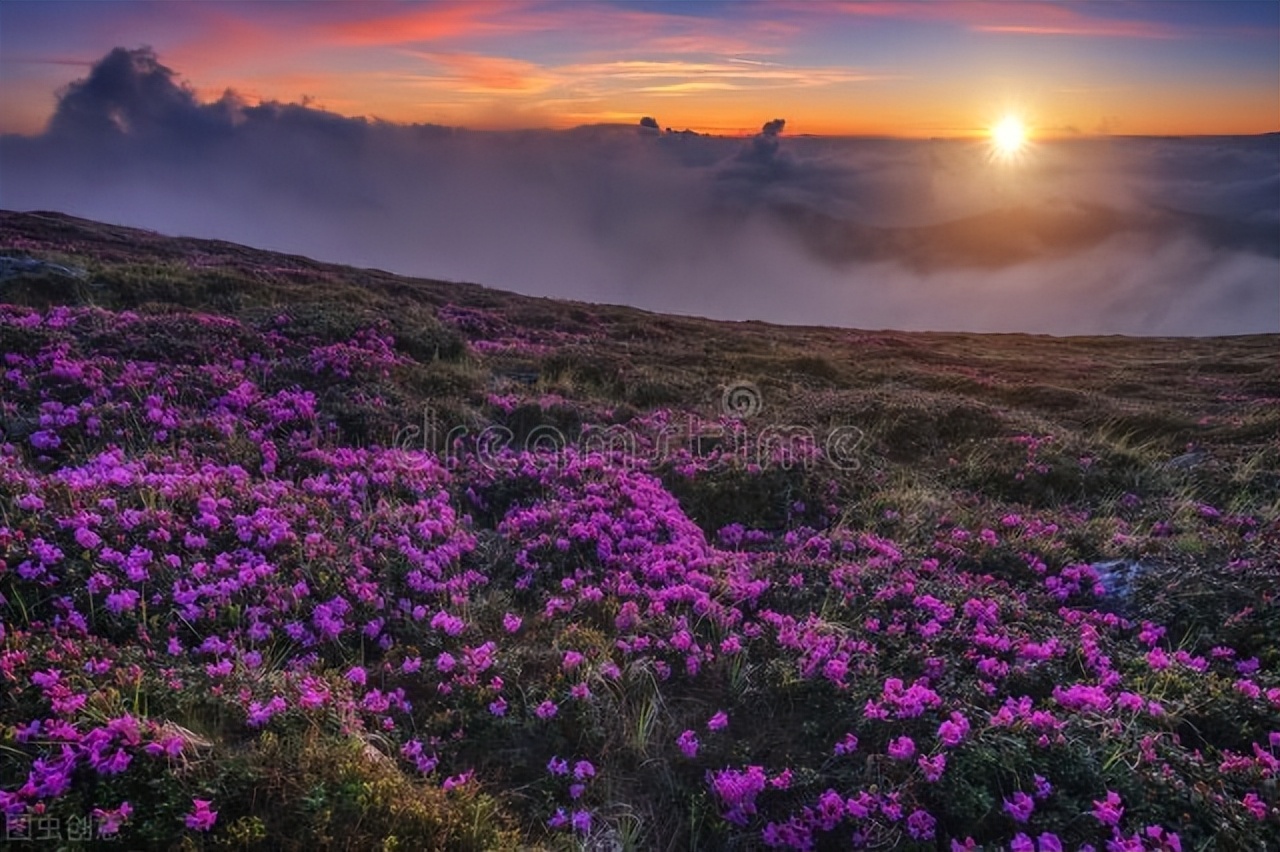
1117	577
1186	461
12	267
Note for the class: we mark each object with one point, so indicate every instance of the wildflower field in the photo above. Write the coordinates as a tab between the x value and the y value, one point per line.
297	556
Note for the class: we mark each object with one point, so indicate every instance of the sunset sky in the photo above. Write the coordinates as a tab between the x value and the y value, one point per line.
902	69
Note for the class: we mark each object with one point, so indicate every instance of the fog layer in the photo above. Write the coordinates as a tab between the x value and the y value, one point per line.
1087	236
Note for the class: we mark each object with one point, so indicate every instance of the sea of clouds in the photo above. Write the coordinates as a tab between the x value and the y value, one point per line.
1102	235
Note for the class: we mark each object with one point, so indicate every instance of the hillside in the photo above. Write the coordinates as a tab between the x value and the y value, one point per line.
298	556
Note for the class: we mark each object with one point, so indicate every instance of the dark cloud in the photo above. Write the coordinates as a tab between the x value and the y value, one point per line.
129	93
1084	236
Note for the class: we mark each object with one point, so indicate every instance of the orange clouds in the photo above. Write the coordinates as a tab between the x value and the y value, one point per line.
921	68
1014	17
430	23
476	74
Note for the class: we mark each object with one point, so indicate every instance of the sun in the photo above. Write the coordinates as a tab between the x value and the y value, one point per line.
1008	137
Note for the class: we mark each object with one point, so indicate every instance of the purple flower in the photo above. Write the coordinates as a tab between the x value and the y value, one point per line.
932	767
455	781
1049	842
737	791
122	601
920	825
546	709
688	743
1255	805
110	820
718	722
1020	807
87	538
201	817
582	822
45	440
902	748
1120	843
1109	810
848	745
357	675
1021	843
584	769
953	731
450	625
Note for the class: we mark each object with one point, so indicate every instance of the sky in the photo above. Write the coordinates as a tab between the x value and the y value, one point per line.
843	173
923	69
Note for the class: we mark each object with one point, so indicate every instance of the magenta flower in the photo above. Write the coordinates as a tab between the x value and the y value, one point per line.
848	745
688	743
737	791
1049	842
201	817
1168	840
1109	810
1021	843
1255	805
455	781
87	538
718	722
920	825
546	709
932	767
903	748
953	731
1020	807
109	820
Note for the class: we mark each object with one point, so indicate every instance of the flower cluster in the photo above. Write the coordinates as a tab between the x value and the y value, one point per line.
192	533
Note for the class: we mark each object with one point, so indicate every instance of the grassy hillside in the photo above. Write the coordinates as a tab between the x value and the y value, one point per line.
294	555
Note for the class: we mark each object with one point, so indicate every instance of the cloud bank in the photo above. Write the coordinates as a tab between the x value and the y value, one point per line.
1087	236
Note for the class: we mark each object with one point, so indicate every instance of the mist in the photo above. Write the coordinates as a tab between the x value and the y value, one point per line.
1102	235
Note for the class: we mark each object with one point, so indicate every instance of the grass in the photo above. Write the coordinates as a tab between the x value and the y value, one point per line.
1065	450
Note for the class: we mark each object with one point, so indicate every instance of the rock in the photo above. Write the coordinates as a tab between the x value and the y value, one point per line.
16	429
1117	577
1186	461
12	267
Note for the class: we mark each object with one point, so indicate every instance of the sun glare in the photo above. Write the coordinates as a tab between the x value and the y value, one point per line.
1008	137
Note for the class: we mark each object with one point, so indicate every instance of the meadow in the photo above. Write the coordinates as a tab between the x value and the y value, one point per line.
301	556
